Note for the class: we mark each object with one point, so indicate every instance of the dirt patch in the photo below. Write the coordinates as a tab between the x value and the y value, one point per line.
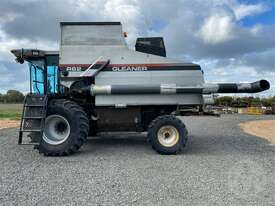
261	128
7	123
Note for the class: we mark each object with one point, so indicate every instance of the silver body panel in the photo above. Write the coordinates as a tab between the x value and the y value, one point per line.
83	44
153	99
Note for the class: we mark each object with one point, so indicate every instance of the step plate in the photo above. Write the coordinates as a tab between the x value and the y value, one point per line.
31	124
34	112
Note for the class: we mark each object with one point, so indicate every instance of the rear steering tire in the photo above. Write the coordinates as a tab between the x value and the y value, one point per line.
66	128
167	134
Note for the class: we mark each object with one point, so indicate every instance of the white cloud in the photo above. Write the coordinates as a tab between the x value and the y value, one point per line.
244	10
217	29
8	43
129	13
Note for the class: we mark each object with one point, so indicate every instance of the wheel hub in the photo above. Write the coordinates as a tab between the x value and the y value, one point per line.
168	136
60	128
57	129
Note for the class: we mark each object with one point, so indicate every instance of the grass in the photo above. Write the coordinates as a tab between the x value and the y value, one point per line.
10	115
10	111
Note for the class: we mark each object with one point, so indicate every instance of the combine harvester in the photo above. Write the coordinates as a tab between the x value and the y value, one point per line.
95	83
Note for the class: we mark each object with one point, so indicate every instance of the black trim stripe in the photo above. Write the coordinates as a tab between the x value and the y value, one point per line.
73	79
148	65
90	23
136	67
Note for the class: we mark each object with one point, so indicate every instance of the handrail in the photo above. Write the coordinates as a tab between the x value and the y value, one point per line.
89	68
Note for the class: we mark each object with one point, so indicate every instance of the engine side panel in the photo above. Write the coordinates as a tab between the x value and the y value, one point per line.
182	77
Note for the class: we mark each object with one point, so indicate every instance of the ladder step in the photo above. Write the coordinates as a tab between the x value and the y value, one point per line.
33	116
41	117
30	130
29	143
34	105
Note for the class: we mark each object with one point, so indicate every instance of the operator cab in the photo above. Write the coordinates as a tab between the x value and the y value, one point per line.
43	66
151	45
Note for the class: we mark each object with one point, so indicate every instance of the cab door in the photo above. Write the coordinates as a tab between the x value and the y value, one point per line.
52	62
37	76
44	75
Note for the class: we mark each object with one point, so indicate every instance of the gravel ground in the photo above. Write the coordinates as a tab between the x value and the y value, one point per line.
221	165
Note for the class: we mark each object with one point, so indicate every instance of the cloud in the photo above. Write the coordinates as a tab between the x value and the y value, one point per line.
8	43
244	10
13	76
262	61
216	34
232	70
130	15
40	19
214	22
217	29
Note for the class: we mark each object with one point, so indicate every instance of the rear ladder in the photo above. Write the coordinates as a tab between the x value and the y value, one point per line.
33	115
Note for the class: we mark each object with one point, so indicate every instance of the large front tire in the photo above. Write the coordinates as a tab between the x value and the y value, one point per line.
167	134
66	128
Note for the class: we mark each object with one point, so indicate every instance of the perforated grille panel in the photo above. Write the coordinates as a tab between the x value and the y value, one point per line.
34	112
32	124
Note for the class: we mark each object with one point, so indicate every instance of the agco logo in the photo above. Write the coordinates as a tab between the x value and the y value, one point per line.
129	68
74	69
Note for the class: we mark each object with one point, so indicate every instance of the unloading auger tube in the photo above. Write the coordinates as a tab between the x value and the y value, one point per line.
254	87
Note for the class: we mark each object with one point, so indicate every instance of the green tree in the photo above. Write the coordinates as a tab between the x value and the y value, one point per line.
245	101
224	101
267	102
14	96
256	101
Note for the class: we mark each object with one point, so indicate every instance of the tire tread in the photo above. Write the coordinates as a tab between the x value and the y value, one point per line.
161	149
79	139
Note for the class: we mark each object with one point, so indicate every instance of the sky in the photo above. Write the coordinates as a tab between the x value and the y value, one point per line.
232	40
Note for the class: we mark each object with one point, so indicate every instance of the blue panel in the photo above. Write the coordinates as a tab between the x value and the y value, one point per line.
52	79
37	79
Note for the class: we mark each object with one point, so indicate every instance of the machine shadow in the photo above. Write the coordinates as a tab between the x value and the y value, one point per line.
113	141
139	143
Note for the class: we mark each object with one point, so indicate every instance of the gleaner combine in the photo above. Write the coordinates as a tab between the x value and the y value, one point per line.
95	83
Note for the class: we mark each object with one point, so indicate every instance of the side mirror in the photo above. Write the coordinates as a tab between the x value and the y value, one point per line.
19	60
